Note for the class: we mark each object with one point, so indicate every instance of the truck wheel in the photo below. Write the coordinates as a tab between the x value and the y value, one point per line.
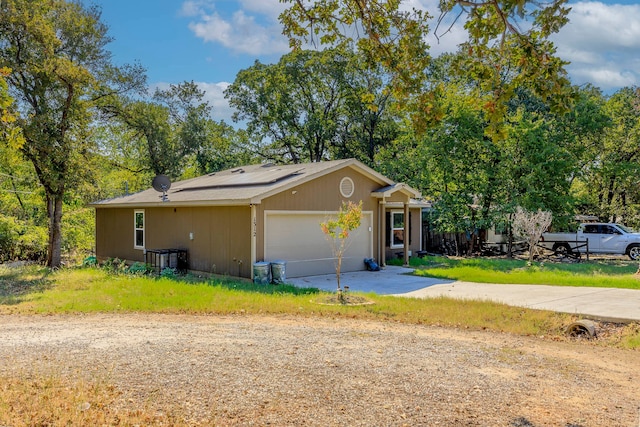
563	249
634	252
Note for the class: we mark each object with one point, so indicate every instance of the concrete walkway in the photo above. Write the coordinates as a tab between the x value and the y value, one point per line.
611	304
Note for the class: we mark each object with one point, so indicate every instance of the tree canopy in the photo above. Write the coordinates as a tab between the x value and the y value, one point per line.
61	71
481	132
508	46
313	106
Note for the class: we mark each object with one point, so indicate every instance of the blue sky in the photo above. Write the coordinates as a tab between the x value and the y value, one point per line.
209	41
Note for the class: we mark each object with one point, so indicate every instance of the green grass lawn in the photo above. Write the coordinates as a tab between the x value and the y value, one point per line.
84	290
36	290
607	274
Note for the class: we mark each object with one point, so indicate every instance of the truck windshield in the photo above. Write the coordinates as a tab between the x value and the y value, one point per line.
625	229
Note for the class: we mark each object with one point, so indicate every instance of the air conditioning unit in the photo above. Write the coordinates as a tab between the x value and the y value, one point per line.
168	260
163	261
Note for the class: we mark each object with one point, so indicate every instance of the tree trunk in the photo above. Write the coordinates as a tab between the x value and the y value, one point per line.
611	191
338	268
54	250
17	194
532	247
510	237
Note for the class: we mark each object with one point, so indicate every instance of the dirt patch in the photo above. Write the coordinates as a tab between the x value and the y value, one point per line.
251	370
343	299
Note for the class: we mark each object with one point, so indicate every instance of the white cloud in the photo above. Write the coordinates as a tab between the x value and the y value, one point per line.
602	42
191	8
595	25
613	78
448	38
214	94
270	8
253	29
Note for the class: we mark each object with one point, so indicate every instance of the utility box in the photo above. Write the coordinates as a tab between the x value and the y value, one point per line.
159	259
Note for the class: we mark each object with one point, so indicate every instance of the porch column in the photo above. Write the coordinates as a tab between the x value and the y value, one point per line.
407	233
382	232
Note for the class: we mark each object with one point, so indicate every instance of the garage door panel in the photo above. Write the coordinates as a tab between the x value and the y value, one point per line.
298	268
298	239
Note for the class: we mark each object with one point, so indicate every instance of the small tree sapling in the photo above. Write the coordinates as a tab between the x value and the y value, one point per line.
338	231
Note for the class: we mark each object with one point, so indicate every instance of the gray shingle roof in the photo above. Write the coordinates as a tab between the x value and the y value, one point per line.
239	186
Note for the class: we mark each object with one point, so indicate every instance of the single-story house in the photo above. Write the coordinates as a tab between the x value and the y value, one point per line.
227	221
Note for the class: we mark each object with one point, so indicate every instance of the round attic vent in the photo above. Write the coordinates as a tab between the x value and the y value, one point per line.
346	187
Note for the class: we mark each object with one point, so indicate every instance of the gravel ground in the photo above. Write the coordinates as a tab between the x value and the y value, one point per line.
291	371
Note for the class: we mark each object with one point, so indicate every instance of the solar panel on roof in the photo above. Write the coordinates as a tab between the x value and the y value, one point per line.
239	179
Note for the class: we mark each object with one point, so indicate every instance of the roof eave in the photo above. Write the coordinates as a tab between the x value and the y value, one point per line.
170	204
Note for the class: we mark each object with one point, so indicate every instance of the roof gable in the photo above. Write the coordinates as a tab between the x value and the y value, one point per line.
396	188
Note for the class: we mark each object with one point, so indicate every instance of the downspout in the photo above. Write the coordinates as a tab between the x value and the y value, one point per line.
420	231
254	236
407	233
382	234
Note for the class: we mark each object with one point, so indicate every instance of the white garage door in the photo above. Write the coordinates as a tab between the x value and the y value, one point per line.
296	238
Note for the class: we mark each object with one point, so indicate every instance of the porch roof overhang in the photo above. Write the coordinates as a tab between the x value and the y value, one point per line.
413	203
395	189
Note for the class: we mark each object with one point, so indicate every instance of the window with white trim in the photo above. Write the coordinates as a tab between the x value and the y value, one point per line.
397	230
138	229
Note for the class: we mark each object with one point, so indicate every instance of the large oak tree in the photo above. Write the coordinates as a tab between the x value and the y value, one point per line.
61	71
171	133
313	106
611	179
507	47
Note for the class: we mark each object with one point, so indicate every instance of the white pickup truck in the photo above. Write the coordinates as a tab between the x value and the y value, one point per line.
603	238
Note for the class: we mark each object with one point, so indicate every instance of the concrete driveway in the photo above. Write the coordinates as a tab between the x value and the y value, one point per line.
389	281
622	305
